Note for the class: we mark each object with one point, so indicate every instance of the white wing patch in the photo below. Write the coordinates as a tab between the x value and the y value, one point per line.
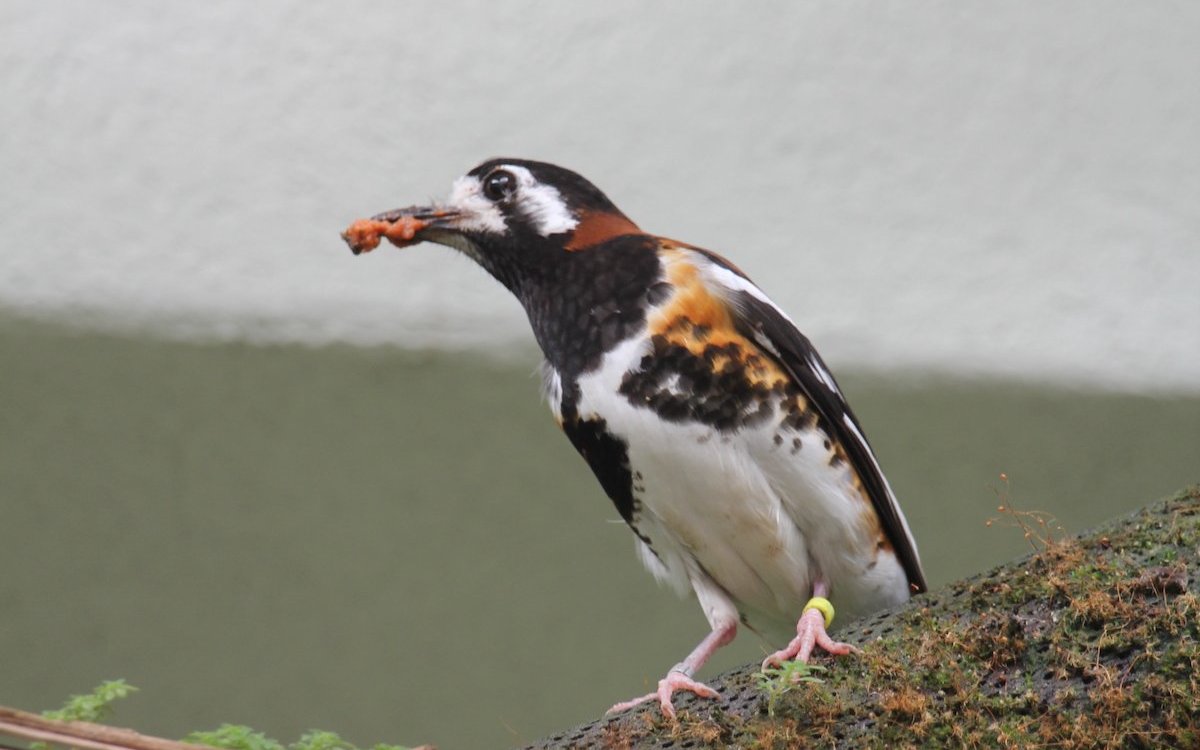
891	496
824	376
761	339
722	279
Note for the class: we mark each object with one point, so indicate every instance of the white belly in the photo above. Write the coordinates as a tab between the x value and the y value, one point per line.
755	511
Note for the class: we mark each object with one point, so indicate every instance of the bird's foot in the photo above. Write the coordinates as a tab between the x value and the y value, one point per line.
810	632
675	680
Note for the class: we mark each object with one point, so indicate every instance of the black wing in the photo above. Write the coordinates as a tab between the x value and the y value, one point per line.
762	322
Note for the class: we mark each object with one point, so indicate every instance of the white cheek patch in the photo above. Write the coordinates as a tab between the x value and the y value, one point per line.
542	205
478	213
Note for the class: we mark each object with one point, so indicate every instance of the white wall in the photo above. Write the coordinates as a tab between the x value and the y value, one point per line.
1010	189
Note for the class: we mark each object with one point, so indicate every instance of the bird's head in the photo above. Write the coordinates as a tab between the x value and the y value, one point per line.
512	216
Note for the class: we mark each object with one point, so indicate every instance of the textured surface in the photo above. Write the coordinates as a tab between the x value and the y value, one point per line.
1005	192
1090	642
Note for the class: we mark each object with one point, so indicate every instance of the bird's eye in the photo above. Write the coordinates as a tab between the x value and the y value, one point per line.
499	184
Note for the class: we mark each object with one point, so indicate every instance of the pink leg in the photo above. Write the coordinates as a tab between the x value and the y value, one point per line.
680	676
810	632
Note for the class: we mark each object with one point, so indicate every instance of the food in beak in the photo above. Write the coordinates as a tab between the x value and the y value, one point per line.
363	235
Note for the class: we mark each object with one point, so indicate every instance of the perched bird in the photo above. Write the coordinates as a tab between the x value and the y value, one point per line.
708	418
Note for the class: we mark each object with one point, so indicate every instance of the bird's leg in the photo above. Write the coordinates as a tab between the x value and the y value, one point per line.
810	632
680	676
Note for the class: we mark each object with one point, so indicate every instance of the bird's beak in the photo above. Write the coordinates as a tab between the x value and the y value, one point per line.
402	227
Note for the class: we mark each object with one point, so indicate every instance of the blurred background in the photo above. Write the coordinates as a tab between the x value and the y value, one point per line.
273	484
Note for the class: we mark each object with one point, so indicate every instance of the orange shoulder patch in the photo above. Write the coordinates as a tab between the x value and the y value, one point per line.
696	319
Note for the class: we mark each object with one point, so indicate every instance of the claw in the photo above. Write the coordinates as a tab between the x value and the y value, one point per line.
810	632
666	686
680	676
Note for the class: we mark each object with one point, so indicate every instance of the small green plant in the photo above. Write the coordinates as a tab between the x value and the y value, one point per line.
318	740
779	681
93	706
97	705
238	737
234	737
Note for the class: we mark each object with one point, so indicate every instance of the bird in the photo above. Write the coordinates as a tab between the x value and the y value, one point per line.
710	421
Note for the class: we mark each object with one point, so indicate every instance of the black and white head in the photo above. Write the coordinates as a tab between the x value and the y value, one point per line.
515	217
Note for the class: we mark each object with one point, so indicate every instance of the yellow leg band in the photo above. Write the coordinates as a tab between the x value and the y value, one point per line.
821	604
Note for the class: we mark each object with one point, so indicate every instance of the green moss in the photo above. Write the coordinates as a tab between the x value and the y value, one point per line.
1088	642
